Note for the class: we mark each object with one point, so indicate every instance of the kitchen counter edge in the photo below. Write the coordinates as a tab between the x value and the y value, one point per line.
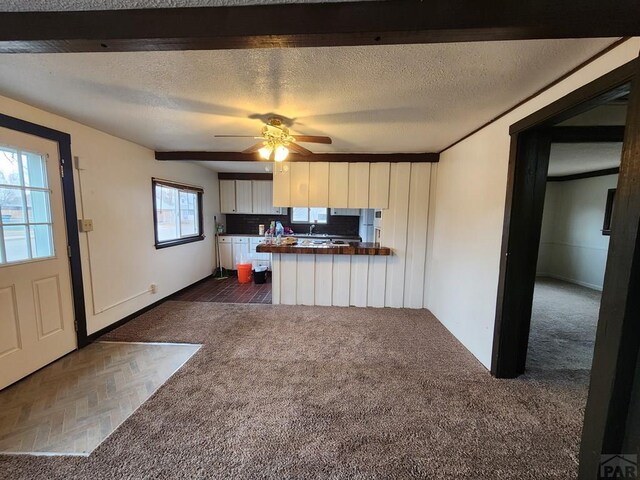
353	248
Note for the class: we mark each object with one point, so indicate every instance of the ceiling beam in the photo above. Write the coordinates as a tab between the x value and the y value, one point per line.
314	25
316	157
579	176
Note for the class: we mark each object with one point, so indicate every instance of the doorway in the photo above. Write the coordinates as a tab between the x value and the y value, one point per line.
584	162
605	429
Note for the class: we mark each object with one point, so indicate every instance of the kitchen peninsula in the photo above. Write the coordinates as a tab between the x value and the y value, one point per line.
328	273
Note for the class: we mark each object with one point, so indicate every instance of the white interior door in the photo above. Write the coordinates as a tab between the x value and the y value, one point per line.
36	309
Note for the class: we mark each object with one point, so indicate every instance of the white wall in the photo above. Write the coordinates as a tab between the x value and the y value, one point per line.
469	210
572	246
113	187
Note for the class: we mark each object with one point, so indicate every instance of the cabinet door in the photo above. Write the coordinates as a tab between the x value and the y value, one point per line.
262	192
358	185
339	185
379	185
319	184
240	252
244	202
281	185
228	196
226	256
299	184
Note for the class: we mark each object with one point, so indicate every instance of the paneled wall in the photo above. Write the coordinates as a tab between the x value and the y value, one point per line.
399	280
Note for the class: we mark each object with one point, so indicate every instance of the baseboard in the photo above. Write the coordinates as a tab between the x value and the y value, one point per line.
95	335
571	280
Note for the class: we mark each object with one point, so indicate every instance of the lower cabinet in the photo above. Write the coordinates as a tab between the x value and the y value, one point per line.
235	249
226	253
240	251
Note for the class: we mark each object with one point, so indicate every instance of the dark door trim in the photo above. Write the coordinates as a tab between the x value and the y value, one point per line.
71	219
618	335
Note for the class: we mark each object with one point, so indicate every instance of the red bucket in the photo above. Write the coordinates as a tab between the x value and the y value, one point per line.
244	272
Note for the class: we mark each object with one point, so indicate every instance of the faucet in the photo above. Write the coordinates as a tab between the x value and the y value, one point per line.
312	228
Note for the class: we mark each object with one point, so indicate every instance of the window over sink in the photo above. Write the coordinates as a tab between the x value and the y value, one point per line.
309	215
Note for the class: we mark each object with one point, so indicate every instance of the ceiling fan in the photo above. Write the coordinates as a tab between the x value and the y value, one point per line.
276	141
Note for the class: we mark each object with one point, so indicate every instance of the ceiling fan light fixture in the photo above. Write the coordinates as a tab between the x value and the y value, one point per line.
265	152
281	153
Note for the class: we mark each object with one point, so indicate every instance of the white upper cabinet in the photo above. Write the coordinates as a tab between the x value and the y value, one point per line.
299	184
228	196
318	184
379	185
263	198
338	184
358	185
244	202
281	186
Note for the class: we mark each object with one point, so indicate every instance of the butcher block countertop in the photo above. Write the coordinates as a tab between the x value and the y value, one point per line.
351	248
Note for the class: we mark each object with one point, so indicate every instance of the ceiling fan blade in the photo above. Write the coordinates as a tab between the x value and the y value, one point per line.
312	139
298	149
235	136
254	148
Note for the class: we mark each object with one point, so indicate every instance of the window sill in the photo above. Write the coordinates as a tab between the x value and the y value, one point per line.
182	241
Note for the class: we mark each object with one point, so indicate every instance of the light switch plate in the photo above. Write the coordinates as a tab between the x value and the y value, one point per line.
85	225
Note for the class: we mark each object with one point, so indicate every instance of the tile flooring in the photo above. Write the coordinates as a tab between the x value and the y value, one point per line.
70	406
227	290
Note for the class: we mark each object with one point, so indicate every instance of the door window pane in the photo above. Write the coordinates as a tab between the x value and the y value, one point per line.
15	243
9	167
12	205
34	170
38	206
26	230
41	241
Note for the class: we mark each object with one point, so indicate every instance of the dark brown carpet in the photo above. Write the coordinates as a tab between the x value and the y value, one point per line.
312	392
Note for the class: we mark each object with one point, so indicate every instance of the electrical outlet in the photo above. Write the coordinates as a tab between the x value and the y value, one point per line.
153	288
85	225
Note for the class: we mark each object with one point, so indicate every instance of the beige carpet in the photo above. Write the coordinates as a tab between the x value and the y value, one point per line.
312	392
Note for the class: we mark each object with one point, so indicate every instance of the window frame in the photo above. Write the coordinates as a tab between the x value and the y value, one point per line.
308	222
27	223
608	211
199	191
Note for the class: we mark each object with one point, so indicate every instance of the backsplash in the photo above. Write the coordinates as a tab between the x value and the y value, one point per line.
338	225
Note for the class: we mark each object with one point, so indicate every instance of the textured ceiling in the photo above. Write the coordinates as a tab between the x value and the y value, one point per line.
407	98
570	158
59	5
